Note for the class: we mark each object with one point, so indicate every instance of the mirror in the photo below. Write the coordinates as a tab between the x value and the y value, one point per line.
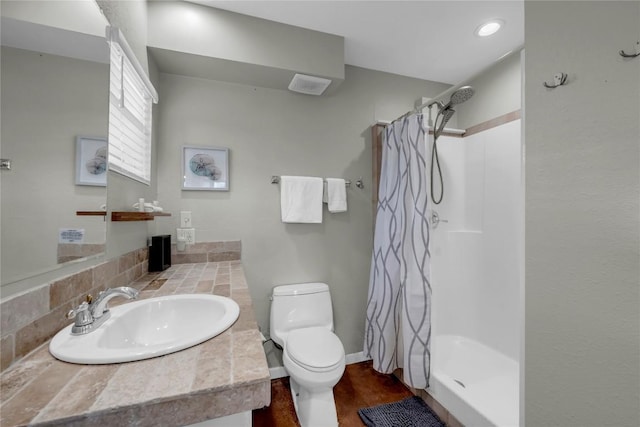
54	110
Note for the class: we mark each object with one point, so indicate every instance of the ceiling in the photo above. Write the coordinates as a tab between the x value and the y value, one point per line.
432	40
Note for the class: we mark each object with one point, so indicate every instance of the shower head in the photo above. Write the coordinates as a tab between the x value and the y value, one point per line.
445	112
461	95
458	96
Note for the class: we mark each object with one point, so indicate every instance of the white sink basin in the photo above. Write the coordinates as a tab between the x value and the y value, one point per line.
148	328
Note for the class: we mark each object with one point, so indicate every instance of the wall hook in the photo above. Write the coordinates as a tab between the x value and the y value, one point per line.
559	79
630	55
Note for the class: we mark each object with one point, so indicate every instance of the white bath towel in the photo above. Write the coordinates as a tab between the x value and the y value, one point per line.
301	199
335	195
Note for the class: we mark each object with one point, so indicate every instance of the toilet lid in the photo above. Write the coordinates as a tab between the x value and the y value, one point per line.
317	348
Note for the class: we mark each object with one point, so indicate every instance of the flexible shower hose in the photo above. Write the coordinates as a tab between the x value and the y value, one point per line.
436	160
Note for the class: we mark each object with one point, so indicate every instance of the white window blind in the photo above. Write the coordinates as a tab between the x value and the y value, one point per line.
131	95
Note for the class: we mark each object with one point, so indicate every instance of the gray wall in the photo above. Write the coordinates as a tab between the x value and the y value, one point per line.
498	92
275	132
582	338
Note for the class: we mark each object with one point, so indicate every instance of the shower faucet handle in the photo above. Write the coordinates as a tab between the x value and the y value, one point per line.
435	219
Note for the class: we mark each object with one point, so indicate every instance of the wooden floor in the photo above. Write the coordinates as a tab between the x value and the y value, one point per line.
360	387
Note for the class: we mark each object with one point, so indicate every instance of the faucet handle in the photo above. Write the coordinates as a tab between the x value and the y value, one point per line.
435	219
81	314
74	311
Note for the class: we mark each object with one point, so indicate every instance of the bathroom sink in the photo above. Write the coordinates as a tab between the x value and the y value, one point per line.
148	328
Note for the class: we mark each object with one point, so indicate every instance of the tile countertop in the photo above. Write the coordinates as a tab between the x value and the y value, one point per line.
224	375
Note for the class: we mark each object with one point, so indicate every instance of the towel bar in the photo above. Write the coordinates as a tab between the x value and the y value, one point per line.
275	179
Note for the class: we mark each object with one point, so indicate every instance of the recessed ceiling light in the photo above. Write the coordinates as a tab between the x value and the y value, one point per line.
489	28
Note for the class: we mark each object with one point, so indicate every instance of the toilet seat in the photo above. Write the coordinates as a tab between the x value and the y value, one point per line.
316	349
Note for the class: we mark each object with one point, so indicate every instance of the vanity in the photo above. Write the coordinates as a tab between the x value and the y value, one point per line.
216	383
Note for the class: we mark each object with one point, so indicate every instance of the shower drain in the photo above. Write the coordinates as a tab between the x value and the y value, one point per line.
461	383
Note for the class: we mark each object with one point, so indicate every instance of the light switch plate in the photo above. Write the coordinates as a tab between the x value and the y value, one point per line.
185	219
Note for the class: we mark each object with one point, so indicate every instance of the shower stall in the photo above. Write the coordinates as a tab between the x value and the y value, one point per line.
476	254
476	243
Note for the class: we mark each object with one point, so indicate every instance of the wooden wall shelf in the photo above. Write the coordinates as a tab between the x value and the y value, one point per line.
136	216
91	213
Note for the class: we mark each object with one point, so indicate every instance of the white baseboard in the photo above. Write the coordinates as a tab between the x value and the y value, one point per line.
279	371
355	358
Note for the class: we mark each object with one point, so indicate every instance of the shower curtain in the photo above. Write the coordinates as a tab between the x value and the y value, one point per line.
398	323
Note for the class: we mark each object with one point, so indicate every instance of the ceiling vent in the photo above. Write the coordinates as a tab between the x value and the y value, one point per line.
309	85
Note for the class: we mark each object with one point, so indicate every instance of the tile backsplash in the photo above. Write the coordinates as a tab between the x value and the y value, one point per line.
207	252
30	319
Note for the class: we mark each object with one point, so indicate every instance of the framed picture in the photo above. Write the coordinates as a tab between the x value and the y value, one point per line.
205	168
91	161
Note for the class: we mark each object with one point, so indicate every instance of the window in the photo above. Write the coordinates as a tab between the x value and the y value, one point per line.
130	98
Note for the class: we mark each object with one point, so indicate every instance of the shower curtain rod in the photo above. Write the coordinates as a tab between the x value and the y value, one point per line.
429	103
453	88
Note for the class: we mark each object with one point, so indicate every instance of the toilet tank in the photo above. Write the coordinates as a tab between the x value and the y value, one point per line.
299	306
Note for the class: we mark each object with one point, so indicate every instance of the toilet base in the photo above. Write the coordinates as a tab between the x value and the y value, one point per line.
314	409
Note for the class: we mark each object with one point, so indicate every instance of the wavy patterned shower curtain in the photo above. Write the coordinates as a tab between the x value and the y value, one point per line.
398	324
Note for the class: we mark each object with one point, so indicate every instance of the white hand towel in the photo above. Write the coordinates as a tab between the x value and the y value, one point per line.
335	195
301	199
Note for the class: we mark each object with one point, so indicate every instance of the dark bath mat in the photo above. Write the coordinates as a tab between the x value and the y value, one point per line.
410	412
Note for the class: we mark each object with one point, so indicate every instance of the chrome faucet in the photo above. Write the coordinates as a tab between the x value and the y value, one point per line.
98	308
92	313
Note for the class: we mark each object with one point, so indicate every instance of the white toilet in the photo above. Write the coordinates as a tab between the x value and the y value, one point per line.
302	323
